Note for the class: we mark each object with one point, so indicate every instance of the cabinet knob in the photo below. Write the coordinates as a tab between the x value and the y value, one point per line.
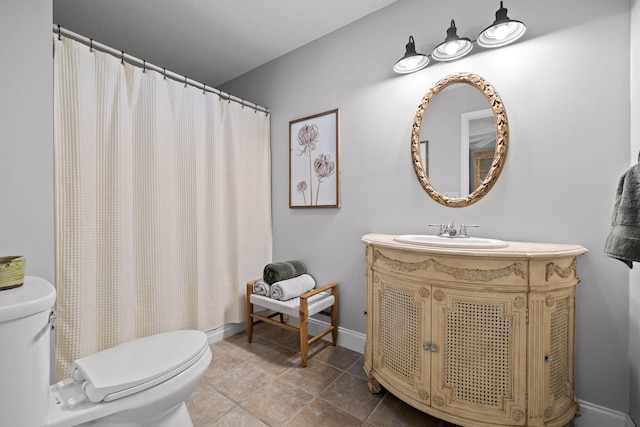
430	347
549	359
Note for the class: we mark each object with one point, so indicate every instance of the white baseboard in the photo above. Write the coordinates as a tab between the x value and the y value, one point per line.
346	338
592	415
598	416
225	331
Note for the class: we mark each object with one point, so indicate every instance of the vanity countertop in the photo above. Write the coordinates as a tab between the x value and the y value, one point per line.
527	250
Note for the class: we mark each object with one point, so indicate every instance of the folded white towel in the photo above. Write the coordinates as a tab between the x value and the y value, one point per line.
262	288
292	288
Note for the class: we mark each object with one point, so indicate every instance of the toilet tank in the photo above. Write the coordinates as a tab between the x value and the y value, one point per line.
25	352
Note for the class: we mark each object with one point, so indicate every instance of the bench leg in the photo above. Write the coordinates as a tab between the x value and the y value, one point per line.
304	334
334	318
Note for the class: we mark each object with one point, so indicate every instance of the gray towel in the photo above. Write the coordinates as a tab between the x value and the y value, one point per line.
292	288
262	288
278	271
623	242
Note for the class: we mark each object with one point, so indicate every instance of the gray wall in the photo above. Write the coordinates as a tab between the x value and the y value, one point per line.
26	134
566	91
634	288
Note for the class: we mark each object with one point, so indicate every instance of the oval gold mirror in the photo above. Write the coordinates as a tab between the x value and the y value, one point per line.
461	145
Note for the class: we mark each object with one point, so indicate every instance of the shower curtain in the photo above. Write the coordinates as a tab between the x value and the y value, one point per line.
162	203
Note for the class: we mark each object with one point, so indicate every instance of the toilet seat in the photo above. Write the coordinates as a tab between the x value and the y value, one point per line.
137	365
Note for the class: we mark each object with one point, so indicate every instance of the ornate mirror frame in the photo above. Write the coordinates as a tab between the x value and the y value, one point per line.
502	139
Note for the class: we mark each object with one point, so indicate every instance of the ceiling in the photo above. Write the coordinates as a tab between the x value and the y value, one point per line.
210	41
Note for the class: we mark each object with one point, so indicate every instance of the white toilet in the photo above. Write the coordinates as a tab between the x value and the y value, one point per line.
139	383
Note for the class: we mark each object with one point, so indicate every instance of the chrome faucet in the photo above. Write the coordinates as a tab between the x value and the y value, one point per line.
449	230
445	230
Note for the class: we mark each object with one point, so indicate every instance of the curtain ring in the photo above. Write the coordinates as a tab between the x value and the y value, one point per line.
164	73
59	35
144	65
90	45
242	103
204	89
185	81
122	57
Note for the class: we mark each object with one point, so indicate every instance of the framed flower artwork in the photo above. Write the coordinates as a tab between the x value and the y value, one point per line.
314	161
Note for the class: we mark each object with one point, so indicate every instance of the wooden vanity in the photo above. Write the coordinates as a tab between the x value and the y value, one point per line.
476	337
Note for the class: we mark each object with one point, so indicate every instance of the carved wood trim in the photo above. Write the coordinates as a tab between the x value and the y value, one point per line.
399	265
438	400
475	275
562	272
517	415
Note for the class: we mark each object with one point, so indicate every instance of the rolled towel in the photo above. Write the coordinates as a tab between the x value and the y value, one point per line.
277	271
292	288
262	288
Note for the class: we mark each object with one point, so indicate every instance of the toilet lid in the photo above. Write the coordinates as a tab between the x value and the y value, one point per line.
139	364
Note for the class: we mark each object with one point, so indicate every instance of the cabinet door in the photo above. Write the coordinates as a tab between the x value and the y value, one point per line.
558	372
479	368
401	328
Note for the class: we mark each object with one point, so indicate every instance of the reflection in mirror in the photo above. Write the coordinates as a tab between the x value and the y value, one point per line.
446	128
478	144
459	140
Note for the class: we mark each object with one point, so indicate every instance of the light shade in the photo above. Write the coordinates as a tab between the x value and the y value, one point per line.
412	60
502	32
453	47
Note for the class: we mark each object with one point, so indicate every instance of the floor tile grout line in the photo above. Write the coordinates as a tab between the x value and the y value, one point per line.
315	396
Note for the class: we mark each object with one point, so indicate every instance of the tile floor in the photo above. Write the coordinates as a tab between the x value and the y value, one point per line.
264	384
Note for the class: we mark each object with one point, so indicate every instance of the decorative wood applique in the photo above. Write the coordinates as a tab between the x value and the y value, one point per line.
562	272
518	302
550	301
438	400
548	412
423	394
438	295
399	265
424	292
517	415
475	274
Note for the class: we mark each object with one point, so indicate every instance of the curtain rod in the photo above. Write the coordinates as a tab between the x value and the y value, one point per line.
59	31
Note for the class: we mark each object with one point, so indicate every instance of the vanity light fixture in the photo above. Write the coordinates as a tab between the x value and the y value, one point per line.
502	32
453	47
412	60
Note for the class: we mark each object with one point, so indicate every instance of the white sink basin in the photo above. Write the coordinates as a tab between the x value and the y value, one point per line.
450	242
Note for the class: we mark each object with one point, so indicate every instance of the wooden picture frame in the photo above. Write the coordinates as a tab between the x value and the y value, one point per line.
314	161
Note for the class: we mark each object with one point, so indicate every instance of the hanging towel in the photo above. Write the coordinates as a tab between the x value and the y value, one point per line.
278	271
623	242
292	288
262	288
